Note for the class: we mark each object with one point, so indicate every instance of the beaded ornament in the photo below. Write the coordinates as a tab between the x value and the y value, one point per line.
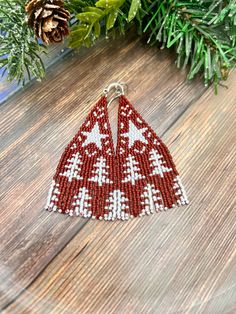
93	179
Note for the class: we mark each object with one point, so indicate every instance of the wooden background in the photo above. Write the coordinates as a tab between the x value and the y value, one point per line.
180	261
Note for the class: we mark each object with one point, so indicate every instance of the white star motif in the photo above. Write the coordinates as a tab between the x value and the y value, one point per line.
94	136
135	134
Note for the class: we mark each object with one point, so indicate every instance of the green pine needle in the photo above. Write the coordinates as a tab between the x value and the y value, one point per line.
203	33
20	53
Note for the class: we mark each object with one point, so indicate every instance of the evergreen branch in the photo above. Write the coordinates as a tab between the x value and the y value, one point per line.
203	34
19	50
105	13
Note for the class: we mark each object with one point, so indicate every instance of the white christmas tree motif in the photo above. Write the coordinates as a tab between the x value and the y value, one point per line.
180	191
117	205
158	164
73	169
53	197
82	203
151	200
132	170
100	172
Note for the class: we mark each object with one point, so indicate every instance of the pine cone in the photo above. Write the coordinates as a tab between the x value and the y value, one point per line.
49	19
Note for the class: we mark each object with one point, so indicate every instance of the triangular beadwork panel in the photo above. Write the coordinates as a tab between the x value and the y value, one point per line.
94	180
148	173
85	170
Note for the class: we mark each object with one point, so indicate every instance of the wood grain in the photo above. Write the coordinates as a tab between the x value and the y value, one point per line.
181	261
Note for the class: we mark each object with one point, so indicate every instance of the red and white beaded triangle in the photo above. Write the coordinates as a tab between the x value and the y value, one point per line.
95	180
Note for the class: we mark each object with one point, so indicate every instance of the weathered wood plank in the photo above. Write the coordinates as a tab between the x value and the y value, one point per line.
179	261
39	122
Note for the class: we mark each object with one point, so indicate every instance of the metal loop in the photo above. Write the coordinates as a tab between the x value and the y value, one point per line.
119	89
